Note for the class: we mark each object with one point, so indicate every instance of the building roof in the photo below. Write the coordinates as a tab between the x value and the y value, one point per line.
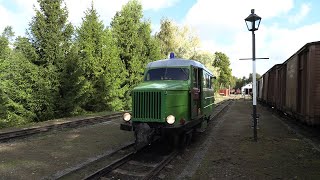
176	62
247	86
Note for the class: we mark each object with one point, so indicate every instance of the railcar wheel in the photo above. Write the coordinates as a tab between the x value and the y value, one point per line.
189	137
176	141
183	141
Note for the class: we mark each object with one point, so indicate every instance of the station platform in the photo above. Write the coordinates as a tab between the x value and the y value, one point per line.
230	152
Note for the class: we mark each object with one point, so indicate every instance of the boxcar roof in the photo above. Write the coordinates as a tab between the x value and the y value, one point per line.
306	46
176	62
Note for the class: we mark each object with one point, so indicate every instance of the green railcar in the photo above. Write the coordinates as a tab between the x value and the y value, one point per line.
175	98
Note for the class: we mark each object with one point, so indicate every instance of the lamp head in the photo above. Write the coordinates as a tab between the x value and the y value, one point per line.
253	21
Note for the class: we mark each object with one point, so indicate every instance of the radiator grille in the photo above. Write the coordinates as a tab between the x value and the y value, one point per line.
147	105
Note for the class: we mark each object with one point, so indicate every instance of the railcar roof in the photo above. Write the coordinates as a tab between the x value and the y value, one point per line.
176	62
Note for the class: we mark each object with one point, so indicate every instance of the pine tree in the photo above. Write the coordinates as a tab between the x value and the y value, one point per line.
5	38
20	84
103	70
133	38
24	46
50	35
72	82
114	73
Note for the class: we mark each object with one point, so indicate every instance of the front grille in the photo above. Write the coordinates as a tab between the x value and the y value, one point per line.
147	105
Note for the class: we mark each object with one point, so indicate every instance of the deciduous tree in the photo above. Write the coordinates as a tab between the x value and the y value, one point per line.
222	62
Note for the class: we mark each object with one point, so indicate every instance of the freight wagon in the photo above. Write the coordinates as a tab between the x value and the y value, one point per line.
294	86
175	98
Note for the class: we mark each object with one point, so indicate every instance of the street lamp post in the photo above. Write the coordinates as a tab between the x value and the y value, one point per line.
253	22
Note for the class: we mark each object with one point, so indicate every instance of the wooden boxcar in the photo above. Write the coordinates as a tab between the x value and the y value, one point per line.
294	86
280	94
303	84
269	91
175	98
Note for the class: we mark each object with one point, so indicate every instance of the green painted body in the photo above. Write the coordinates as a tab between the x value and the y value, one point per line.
153	101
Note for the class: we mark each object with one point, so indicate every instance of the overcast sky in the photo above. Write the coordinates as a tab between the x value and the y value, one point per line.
286	25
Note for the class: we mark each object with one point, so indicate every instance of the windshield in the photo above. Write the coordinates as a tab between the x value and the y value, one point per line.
167	74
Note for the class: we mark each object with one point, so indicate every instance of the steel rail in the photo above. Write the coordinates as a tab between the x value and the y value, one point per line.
5	136
160	166
114	165
86	166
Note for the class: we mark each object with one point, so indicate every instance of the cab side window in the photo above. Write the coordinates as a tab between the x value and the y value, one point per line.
204	79
211	82
195	78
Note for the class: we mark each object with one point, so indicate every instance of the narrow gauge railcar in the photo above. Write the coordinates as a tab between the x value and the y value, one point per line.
175	98
294	87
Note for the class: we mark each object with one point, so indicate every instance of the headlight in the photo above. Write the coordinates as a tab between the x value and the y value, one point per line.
126	116
170	119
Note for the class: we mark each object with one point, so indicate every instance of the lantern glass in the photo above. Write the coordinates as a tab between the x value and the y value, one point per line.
253	21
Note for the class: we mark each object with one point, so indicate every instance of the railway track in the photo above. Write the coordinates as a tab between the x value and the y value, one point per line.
5	136
111	159
144	164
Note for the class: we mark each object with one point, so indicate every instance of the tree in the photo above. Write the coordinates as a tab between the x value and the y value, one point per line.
50	35
233	81
207	58
72	82
187	43
222	62
24	46
250	77
114	74
134	41
104	72
240	82
21	87
180	40
5	38
166	36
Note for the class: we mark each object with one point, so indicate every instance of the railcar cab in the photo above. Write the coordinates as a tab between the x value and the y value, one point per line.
175	97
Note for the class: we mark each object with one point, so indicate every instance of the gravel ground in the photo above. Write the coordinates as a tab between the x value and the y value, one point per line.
48	155
227	151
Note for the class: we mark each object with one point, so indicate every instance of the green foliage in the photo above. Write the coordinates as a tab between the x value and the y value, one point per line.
89	39
166	36
104	72
180	40
239	82
54	73
5	38
50	35
258	76
222	62
71	84
24	46
114	74
134	41
19	83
